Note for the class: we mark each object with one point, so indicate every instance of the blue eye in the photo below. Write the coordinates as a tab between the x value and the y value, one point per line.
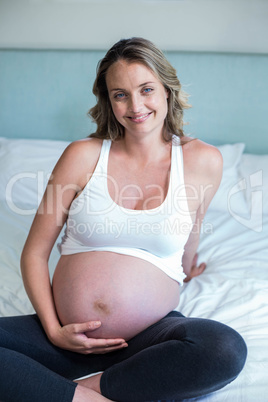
119	96
147	90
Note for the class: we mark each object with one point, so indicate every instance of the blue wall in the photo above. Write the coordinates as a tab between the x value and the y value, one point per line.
46	94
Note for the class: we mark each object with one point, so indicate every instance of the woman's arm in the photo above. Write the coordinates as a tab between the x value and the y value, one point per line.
189	259
44	231
68	178
207	162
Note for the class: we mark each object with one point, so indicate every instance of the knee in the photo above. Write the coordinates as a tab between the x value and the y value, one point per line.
225	350
232	352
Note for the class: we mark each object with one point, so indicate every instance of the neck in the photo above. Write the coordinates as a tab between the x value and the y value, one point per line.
145	149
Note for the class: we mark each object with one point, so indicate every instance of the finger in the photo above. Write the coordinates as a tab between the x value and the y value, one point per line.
108	349
196	271
112	349
106	343
86	326
202	266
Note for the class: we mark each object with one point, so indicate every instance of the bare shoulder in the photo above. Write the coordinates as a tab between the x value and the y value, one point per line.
202	158
203	170
85	148
78	160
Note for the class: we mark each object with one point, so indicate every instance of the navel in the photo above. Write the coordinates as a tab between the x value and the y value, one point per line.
101	307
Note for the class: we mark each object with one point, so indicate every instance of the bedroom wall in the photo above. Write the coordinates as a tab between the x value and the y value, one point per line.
47	69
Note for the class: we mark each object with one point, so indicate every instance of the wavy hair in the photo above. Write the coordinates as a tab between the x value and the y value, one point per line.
137	50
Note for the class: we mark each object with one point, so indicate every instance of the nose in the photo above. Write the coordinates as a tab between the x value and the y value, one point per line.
135	103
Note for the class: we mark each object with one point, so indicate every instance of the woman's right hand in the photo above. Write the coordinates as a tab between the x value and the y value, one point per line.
195	269
72	337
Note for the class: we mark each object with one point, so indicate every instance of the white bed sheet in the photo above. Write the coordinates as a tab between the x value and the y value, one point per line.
234	287
234	290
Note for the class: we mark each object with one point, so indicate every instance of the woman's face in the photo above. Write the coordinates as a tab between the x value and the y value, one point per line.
138	98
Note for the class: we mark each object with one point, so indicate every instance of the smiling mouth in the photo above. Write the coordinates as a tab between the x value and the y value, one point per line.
139	119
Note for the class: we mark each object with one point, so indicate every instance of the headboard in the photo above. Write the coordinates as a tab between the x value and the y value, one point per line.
49	50
47	93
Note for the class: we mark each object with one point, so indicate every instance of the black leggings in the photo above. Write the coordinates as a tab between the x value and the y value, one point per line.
176	358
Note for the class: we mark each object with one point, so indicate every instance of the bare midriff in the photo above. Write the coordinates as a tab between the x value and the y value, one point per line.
127	294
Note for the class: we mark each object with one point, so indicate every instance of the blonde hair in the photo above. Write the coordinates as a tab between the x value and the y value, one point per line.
137	50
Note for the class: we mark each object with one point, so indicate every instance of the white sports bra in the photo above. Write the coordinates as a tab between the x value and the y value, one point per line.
96	223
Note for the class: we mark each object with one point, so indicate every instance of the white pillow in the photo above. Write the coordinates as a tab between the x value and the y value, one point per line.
253	170
25	167
230	196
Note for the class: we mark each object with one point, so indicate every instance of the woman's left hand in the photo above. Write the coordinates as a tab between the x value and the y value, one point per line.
195	269
75	337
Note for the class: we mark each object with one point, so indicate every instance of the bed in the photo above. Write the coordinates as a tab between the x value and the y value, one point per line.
234	243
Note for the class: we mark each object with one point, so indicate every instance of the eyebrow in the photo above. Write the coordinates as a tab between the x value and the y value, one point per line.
141	85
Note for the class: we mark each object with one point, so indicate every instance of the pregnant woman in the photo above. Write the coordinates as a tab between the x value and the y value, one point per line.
132	196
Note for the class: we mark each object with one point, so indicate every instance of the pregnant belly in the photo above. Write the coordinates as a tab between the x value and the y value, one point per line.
125	293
